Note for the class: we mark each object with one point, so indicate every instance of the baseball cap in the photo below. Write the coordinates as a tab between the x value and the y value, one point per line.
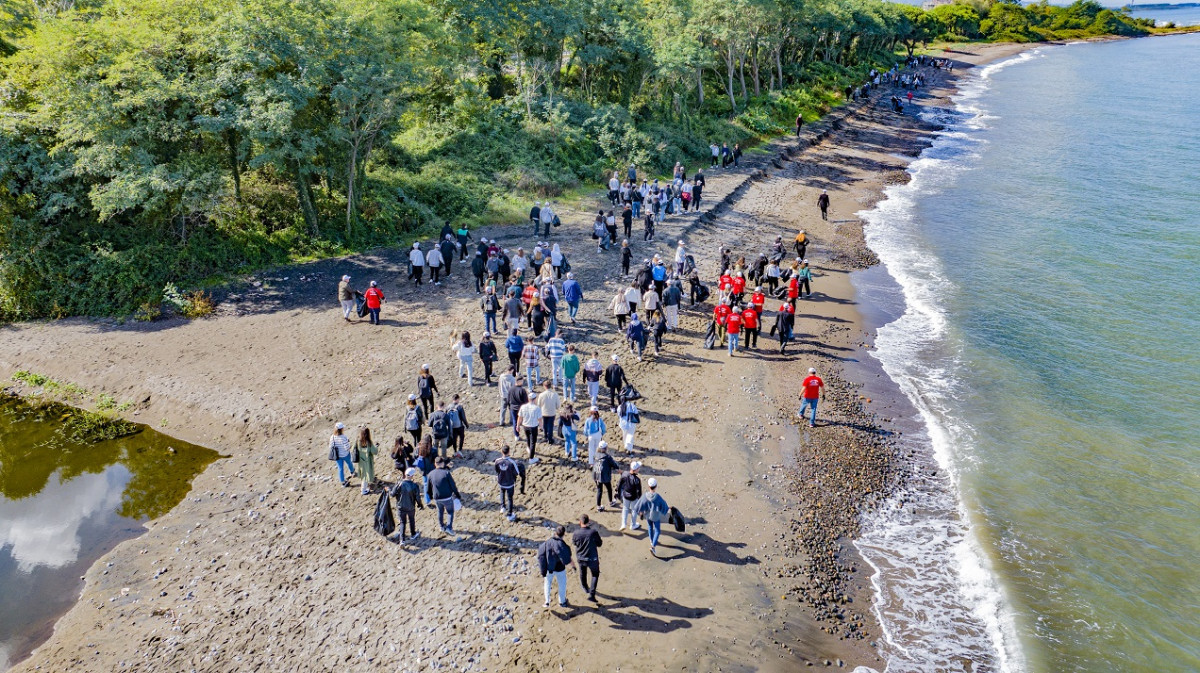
653	482
345	277
635	466
410	472
373	283
412	398
615	357
340	426
812	370
603	445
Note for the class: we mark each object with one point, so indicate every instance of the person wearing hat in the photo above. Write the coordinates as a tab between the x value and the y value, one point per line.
813	389
374	298
347	296
535	215
823	204
628	418
751	325
680	258
554	555
433	259
602	472
547	216
426	387
804	280
339	450
573	294
671	299
635	334
489	356
654	508
785	320
408	499
594	429
629	489
587	543
615	379
441	489
416	260
508	469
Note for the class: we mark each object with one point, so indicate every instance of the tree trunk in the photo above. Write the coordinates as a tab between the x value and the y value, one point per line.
779	65
742	73
729	60
754	71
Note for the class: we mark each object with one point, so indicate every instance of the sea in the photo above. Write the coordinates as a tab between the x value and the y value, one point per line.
1039	303
1180	16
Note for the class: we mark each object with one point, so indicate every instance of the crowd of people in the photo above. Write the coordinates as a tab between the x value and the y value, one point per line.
529	303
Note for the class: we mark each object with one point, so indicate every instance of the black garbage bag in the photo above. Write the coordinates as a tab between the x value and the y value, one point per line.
385	521
702	293
689	263
630	393
710	337
361	305
675	518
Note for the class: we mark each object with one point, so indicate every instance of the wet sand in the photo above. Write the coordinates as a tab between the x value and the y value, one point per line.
269	563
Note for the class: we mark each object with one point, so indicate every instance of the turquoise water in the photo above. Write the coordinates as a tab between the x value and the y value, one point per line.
1047	248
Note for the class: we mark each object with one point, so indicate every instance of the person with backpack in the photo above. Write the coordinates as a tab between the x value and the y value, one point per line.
339	450
573	294
374	299
408	499
654	508
592	373
602	472
518	396
549	402
615	379
554	556
508	470
414	418
402	454
426	387
440	427
416	262
628	418
441	489
490	305
458	425
514	345
530	415
465	350
629	490
567	418
367	451
587	543
489	357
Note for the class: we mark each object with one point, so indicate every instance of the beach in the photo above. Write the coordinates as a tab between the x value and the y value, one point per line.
269	563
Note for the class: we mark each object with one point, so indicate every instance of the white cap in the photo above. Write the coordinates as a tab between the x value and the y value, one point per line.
653	483
345	277
339	426
373	283
635	466
416	245
487	334
412	398
425	367
812	370
603	445
614	357
595	409
410	472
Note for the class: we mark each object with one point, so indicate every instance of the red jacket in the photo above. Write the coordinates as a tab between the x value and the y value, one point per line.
527	295
750	318
374	296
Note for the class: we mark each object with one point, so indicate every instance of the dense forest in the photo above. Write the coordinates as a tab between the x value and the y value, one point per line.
151	143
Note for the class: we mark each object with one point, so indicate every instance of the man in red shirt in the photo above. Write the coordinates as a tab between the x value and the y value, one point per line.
793	290
758	299
813	389
733	327
739	288
750	324
374	297
720	313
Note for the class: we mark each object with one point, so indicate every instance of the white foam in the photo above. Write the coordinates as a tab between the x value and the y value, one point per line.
937	598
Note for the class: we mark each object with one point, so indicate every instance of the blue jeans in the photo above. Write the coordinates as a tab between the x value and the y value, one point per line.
556	371
569	389
551	327
572	309
655	529
445	510
532	376
805	404
489	322
374	315
425	485
344	466
637	208
733	342
571	442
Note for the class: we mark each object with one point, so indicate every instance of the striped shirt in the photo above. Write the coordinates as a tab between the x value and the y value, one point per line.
341	443
556	348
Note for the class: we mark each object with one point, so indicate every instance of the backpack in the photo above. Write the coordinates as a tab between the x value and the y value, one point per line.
440	424
412	420
493	303
423	386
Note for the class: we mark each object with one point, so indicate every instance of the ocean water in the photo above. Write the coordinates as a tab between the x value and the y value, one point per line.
1046	252
1180	16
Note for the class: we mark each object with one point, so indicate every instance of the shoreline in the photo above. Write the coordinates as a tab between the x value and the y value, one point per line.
364	383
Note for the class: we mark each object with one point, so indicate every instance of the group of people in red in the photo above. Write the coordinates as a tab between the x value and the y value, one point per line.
734	316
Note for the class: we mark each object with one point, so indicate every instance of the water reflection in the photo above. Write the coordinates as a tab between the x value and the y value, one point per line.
64	504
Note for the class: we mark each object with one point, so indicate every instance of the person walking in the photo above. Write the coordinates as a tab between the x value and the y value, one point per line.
339	450
570	369
440	427
458	425
435	261
414	418
507	381
629	489
442	490
479	271
532	355
801	244
490	305
592	372
408	499
549	402
733	328
799	123
785	319
697	188
556	350
424	463
508	470
514	310
813	389
615	379
416	262
426	387
367	450
626	257
602	472
530	415
547	216
655	509
620	308
651	301
374	299
518	396
804	281
635	334
672	298
347	296
466	357
594	429
573	294
751	325
587	543
514	345
488	356
823	204
567	418
535	216
554	556
628	418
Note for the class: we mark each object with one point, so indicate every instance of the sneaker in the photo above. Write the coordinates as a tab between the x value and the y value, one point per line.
512	517
592	597
600	508
652	551
415	535
622	527
564	604
535	460
812	425
546	604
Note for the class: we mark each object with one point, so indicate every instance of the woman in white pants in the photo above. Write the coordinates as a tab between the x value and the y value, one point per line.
594	429
466	357
628	418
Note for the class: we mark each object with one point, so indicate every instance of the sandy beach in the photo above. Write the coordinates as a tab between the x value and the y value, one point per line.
269	564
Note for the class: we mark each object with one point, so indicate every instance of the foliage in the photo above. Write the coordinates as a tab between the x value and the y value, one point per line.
147	142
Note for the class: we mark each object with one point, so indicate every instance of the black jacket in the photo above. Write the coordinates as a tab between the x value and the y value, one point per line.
517	396
487	351
553	555
428	388
441	485
630	486
479	265
587	542
614	376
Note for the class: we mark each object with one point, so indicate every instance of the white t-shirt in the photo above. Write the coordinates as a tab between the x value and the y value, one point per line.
530	414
